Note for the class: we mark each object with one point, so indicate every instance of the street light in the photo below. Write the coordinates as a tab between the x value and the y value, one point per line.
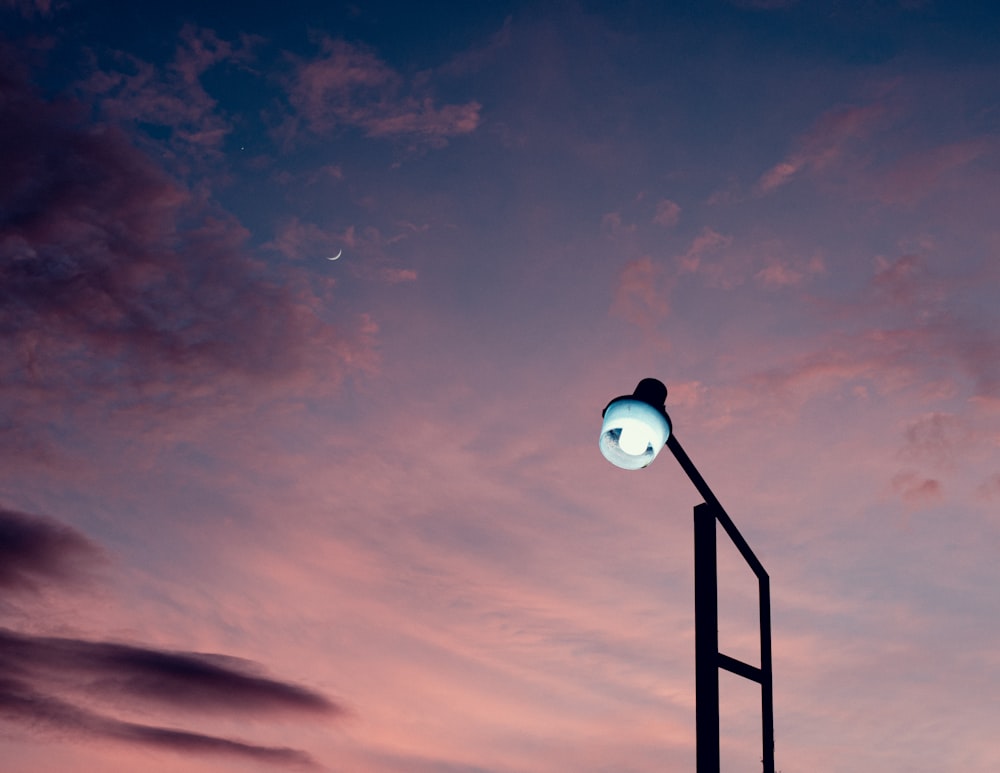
635	429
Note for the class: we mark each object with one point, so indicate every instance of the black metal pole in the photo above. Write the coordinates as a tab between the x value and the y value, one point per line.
767	678
708	659
706	640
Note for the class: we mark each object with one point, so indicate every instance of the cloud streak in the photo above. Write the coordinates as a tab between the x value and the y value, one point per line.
123	673
20	703
35	550
50	682
825	145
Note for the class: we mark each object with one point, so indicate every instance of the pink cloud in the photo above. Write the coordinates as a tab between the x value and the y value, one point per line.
915	490
938	439
172	96
668	213
397	275
786	274
613	224
825	144
641	294
426	120
854	141
694	260
898	337
916	175
114	273
350	86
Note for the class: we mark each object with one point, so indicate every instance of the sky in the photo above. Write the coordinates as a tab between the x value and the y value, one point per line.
264	509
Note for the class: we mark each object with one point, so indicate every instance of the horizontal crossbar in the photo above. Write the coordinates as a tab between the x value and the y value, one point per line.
740	668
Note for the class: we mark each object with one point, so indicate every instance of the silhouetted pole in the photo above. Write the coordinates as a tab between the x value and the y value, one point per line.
708	660
706	640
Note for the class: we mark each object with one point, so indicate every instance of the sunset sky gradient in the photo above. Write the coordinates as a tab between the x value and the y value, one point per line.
263	510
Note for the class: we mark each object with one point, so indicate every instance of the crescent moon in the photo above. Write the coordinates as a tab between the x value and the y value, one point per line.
339	253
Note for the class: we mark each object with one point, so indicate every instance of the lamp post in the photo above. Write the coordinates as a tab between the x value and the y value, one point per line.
635	429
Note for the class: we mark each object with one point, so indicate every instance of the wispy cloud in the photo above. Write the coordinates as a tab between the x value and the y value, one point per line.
172	96
114	272
51	683
131	674
825	144
781	273
939	439
706	244
668	213
916	490
916	175
642	294
350	86
20	703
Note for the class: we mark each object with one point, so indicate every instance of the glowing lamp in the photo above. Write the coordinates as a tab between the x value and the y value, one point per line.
636	426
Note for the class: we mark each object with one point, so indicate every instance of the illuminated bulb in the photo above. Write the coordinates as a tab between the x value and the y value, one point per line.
633	441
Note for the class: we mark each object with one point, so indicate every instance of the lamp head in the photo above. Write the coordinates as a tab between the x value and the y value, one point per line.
636	426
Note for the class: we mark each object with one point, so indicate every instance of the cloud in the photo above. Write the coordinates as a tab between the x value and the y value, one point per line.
20	703
34	550
668	213
613	224
350	86
779	273
397	275
917	174
641	296
112	273
915	490
721	273
938	439
124	674
824	145
50	683
171	96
